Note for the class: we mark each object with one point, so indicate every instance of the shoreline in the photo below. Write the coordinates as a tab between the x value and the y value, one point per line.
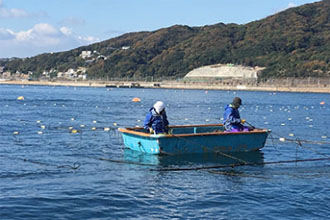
173	85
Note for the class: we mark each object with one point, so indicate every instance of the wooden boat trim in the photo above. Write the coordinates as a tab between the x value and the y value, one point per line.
133	131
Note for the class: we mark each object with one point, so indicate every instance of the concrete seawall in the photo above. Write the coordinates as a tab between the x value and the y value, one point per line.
179	85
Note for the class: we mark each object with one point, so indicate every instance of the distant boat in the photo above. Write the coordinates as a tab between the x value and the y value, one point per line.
187	139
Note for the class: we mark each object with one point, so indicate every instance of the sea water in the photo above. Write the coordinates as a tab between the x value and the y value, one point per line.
61	156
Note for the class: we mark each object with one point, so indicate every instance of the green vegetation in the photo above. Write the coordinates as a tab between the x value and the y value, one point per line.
293	43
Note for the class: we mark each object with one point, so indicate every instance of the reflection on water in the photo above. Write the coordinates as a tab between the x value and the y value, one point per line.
193	160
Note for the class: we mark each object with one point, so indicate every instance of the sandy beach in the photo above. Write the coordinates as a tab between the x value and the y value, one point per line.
176	85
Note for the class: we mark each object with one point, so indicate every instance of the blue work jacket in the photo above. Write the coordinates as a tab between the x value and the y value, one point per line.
232	119
158	122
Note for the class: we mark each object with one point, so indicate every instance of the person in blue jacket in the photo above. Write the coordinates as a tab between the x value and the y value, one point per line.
156	120
231	118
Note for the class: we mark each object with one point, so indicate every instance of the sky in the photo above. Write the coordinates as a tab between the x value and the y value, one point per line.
32	27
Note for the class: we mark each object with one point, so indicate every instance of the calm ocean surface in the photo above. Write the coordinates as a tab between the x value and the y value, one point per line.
48	172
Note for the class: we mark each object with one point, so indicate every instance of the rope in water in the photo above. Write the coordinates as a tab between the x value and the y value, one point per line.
244	163
240	161
300	142
74	166
240	164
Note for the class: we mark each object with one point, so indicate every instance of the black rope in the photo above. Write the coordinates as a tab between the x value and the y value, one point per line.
232	173
122	161
300	142
75	166
240	164
295	140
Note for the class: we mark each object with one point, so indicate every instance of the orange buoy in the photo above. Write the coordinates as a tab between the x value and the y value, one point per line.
136	99
322	103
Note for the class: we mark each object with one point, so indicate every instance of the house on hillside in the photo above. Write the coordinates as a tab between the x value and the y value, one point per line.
6	75
86	54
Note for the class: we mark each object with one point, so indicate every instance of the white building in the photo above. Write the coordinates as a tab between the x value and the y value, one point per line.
86	54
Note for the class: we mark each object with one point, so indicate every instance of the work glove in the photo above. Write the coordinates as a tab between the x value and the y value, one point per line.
243	121
151	131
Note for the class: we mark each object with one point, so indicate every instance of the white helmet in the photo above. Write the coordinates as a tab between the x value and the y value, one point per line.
159	106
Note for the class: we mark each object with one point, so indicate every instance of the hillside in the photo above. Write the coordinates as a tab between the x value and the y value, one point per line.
293	43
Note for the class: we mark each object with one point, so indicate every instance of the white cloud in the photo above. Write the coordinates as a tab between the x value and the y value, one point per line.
65	30
40	38
11	12
6	34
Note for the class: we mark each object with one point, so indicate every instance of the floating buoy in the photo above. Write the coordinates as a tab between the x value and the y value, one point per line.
15	133
43	126
74	131
93	128
94	122
115	124
282	139
291	135
40	132
106	129
136	99
82	126
322	103
20	98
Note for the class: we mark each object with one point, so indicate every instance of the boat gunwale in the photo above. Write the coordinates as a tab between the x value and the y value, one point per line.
132	130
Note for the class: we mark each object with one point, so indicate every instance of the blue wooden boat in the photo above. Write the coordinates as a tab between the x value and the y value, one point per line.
186	139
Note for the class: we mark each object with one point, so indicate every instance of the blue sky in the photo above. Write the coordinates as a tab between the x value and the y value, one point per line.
31	27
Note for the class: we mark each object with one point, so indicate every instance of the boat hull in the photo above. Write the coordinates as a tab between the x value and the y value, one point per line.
194	139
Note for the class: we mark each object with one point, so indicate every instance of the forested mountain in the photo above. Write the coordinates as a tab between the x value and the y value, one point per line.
292	43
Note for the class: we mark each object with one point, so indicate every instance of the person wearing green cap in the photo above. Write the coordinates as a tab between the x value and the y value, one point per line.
231	118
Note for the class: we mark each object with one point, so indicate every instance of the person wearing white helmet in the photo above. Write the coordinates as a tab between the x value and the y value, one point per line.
156	120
